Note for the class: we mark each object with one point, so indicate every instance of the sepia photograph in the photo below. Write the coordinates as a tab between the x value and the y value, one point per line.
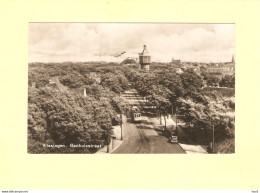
131	88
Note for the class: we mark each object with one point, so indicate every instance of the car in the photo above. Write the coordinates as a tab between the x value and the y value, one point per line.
173	138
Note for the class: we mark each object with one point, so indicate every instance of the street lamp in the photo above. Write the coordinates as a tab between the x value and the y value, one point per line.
107	139
212	119
160	113
176	120
121	123
172	110
213	137
165	120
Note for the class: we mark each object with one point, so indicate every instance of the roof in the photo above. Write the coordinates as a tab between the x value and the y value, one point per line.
224	91
145	52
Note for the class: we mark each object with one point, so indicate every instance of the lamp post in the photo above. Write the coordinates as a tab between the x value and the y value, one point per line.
213	133
213	137
172	110
121	124
165	121
160	113
107	140
176	121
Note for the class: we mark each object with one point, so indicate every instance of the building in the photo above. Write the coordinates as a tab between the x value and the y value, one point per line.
233	60
195	70
95	77
129	61
178	70
220	70
176	62
224	91
145	59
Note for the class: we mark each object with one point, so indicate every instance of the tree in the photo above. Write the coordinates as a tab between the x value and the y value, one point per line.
201	116
191	81
210	79
227	81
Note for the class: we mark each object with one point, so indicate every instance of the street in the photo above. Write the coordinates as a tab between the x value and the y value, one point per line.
143	138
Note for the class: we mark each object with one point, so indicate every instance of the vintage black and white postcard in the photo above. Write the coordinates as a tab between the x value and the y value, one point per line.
128	88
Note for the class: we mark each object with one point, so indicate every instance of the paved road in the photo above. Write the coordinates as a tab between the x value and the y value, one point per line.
142	138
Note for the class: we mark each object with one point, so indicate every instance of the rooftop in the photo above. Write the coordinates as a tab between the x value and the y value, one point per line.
145	52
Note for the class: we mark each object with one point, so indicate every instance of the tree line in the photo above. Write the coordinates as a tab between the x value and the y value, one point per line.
182	95
63	118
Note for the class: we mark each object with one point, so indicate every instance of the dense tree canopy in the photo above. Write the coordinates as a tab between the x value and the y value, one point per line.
57	117
228	81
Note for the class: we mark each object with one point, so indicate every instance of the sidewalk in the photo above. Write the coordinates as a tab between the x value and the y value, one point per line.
158	126
112	147
187	143
116	142
192	149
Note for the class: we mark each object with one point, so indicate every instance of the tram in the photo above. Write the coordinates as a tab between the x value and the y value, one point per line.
136	114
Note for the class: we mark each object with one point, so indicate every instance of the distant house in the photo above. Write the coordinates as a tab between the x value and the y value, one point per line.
55	81
220	71
216	74
226	92
203	68
52	81
176	62
95	77
129	61
178	70
195	70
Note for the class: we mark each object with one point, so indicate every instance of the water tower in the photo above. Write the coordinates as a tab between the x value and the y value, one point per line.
145	59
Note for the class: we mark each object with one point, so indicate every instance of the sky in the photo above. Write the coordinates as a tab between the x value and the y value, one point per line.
82	42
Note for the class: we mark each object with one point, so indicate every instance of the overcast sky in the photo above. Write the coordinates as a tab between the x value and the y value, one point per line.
59	42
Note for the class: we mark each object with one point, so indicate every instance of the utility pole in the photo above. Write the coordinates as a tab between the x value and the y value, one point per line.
121	124
165	121
160	117
213	134
176	121
160	113
213	137
172	110
107	140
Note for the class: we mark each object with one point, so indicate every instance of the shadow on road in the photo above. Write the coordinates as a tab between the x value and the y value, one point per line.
144	127
147	122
